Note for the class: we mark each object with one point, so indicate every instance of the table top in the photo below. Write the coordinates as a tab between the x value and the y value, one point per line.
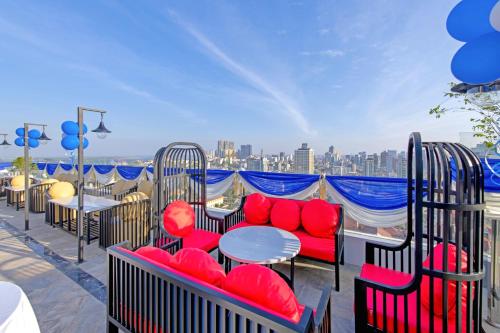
16	313
259	245
91	203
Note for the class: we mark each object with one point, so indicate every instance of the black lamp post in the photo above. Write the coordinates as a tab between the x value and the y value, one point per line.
101	132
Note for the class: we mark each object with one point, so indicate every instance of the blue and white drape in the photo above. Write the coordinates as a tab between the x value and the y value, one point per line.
218	182
104	174
373	201
283	185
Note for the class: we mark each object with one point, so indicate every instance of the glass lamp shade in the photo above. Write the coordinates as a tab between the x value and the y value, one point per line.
44	139
101	131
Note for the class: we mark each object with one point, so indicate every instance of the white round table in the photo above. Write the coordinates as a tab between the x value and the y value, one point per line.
16	313
260	245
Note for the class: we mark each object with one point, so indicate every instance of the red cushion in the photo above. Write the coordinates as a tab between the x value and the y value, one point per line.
156	254
257	209
199	264
243	224
320	218
178	218
315	247
394	278
437	295
265	287
285	214
201	239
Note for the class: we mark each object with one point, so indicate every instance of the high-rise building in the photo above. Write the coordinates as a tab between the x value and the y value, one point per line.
255	163
225	149
304	159
245	151
391	161
369	166
402	165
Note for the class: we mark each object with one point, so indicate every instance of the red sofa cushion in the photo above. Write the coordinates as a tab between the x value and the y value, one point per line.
199	264
257	209
314	247
156	254
395	278
265	287
320	218
201	239
178	218
285	215
437	295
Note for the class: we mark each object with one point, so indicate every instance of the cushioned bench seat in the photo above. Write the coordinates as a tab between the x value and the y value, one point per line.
393	278
201	239
310	246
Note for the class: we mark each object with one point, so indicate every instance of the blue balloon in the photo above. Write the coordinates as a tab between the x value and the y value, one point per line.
470	19
478	61
33	143
19	142
20	132
34	134
85	129
85	143
69	142
69	127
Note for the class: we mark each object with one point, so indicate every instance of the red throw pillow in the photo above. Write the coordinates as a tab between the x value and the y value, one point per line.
178	218
319	218
264	287
286	215
156	254
437	296
257	209
199	264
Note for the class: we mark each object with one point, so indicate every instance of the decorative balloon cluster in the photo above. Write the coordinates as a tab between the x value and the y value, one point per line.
33	136
70	135
477	23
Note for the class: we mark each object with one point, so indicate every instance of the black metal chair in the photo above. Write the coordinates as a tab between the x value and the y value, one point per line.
445	208
37	197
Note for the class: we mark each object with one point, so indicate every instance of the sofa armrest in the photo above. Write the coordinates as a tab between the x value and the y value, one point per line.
322	317
234	217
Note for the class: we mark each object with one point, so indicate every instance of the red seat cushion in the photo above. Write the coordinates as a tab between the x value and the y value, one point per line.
437	294
156	254
315	247
394	278
201	239
243	224
178	218
199	264
285	215
257	209
265	287
320	218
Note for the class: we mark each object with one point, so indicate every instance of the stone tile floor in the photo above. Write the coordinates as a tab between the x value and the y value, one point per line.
70	297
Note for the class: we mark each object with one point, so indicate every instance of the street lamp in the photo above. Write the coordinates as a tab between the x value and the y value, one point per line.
4	143
101	132
27	139
44	139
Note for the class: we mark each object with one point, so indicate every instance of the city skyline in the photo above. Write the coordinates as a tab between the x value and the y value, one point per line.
167	72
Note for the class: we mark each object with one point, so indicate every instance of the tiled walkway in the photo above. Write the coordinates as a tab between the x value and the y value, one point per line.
69	297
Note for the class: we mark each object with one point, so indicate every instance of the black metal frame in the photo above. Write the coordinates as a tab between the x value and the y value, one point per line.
145	298
442	208
238	216
129	221
38	198
175	168
14	198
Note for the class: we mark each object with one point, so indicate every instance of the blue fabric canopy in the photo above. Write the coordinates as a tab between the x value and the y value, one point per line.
41	166
216	176
66	167
51	168
491	181
278	184
86	168
103	169
372	192
150	169
129	172
5	165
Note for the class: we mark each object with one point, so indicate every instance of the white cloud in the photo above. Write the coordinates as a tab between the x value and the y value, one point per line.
286	103
324	31
331	53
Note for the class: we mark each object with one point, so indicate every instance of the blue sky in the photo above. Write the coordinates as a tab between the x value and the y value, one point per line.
360	75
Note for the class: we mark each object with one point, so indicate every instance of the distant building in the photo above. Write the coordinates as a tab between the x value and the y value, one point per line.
224	149
304	159
255	163
402	165
245	151
369	167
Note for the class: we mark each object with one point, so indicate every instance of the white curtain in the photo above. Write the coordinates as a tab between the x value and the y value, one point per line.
369	217
297	196
105	178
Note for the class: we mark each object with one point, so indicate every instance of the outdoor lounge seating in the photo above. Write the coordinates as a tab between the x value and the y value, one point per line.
400	291
328	248
178	299
37	195
130	221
